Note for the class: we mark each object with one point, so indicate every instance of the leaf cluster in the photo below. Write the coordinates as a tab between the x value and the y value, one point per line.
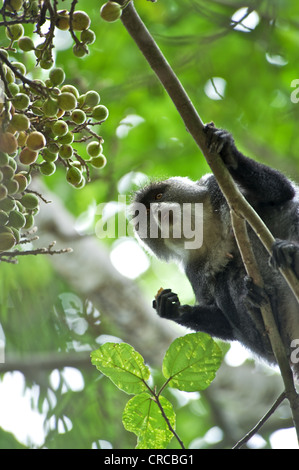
190	364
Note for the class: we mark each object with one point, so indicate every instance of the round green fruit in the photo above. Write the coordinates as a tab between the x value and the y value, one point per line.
63	20
20	122
46	64
21	101
78	116
12	186
9	75
80	50
100	113
22	181
7	172
94	149
16	234
3	192
12	162
47	168
14	31
65	151
13	88
30	201
29	221
73	176
16	219
57	76
67	101
26	44
81	184
49	156
20	67
80	21
7	241
88	36
14	5
50	107
98	162
3	217
68	138
70	89
92	99
60	128
7	204
4	159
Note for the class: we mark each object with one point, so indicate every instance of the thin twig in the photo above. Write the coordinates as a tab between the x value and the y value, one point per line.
7	256
39	88
262	421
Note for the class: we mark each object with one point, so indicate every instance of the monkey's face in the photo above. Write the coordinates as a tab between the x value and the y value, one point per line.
168	216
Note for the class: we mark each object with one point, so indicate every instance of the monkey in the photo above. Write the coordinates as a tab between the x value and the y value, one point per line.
227	300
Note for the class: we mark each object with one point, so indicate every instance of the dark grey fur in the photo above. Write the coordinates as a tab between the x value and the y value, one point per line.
225	296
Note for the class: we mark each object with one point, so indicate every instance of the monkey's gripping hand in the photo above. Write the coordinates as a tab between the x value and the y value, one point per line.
285	254
221	142
208	319
167	305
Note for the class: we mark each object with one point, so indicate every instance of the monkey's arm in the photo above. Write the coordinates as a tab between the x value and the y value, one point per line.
208	319
264	183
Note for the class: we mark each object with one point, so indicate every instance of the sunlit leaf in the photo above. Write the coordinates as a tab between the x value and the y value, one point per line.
191	362
123	365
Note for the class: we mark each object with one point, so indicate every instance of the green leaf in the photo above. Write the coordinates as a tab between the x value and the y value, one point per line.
191	362
143	417
123	365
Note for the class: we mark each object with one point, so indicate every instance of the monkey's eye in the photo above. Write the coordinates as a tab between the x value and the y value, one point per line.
158	196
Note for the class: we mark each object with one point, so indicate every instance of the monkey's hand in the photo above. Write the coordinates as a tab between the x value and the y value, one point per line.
221	142
285	254
167	305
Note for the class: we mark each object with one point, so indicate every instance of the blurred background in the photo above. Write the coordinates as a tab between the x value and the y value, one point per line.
237	64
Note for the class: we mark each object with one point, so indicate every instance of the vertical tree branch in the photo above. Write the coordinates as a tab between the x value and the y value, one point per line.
240	230
235	199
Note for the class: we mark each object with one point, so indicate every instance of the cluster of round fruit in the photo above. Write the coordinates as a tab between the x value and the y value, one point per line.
36	133
42	119
76	22
42	124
